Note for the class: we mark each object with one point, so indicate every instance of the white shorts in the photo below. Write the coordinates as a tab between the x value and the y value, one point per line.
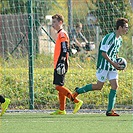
102	75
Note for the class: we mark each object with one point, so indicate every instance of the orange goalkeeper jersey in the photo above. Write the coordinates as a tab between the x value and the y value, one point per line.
62	37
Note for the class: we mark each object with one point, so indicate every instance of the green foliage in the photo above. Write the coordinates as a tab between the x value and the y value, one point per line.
107	13
80	10
40	8
14	84
15	6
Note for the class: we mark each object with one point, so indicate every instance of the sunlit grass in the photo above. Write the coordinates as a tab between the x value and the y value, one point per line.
15	83
78	123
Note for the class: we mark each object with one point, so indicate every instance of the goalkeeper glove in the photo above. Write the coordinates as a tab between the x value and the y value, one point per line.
61	68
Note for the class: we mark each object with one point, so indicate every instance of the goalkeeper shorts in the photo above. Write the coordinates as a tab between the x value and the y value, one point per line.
58	79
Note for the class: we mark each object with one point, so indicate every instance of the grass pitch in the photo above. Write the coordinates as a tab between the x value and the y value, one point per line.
40	122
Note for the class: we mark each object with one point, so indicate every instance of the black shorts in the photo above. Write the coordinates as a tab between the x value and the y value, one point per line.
59	79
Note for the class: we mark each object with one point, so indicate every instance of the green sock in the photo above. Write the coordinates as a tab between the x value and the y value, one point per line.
112	97
84	89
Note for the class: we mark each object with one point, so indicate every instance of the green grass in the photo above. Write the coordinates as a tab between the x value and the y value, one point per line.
79	123
14	83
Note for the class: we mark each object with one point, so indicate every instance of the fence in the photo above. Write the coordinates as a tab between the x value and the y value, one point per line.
27	54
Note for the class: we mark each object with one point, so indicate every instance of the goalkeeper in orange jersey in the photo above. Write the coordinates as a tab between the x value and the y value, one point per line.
61	66
4	104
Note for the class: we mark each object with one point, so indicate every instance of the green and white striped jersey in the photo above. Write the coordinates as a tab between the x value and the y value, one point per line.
109	44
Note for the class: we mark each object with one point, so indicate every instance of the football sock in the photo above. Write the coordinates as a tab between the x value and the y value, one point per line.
62	101
84	89
67	93
112	97
2	99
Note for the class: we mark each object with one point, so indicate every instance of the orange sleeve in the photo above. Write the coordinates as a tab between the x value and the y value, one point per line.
63	37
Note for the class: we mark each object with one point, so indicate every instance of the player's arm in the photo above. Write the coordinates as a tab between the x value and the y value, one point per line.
61	66
77	42
62	60
83	37
64	46
116	65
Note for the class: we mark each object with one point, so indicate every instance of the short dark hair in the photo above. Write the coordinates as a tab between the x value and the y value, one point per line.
59	17
121	22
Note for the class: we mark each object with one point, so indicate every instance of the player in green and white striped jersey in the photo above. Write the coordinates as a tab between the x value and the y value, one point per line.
106	65
110	45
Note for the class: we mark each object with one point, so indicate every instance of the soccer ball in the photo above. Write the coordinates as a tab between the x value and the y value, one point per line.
122	62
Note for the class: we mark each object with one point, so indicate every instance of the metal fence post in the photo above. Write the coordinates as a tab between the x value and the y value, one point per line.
70	18
31	55
36	27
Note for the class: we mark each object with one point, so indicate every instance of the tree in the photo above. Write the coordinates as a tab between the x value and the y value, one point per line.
107	13
13	6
